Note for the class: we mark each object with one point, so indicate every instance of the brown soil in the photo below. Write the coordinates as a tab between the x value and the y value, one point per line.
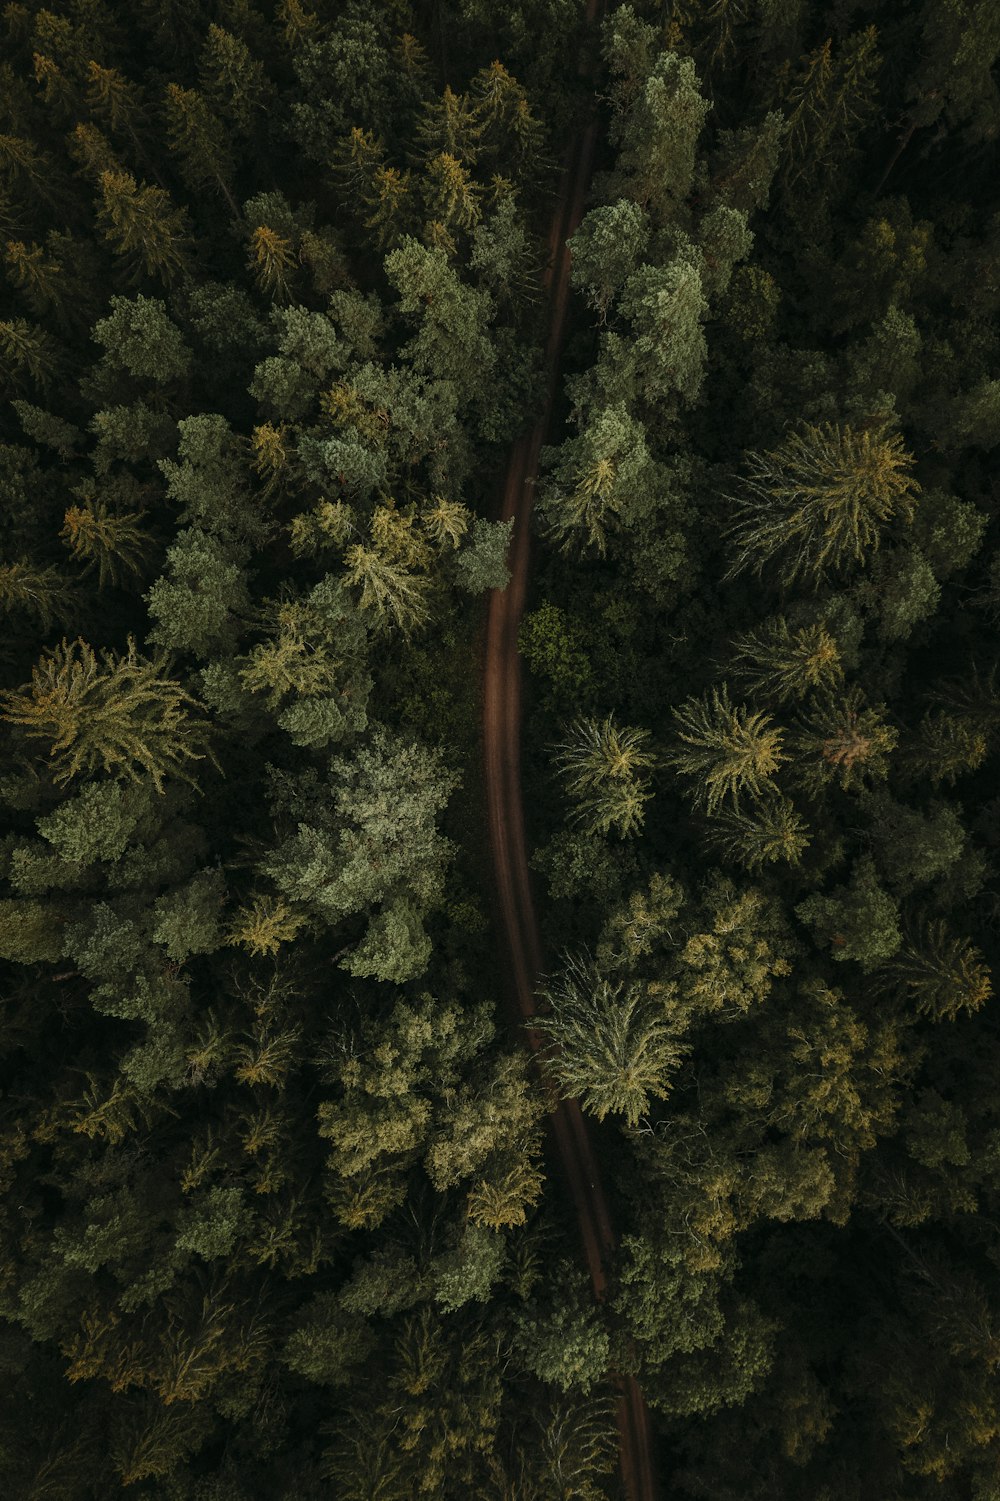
502	753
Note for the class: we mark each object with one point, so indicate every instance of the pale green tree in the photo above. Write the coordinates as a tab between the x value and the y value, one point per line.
610	1044
728	752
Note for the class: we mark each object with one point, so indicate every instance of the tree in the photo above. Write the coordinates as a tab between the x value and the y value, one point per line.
113	543
604	478
482	563
781	664
820	501
140	337
859	920
938	974
369	837
604	769
232	79
727	750
606	250
666	352
659	115
116	101
451	341
28	353
771	830
40	592
610	1044
842	738
271	261
143	226
118	713
199	141
199	604
828	104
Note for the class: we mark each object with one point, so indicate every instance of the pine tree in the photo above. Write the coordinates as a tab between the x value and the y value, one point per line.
945	747
58	90
610	1044
40	279
606	251
446	521
829	103
771	830
28	354
449	125
509	129
603	478
820	501
40	592
299	24
271	261
119	714
116	101
233	80
262	926
143	226
939	974
92	150
451	196
199	142
112	542
659	116
842	738
781	664
604	769
727	750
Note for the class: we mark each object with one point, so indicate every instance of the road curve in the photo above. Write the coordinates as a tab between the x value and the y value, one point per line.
502	756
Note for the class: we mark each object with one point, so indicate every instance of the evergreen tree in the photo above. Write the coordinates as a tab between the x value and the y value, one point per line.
113	543
940	975
118	713
781	665
728	751
604	769
143	226
611	1046
820	501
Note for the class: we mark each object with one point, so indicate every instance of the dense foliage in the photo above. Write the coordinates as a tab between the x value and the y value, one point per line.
275	1216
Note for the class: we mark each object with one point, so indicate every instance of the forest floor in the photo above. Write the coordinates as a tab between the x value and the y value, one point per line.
521	942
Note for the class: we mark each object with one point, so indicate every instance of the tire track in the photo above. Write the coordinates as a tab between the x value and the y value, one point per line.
505	807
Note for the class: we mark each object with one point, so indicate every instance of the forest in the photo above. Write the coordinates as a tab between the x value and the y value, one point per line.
285	1210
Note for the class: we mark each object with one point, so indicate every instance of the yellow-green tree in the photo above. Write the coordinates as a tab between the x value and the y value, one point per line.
115	712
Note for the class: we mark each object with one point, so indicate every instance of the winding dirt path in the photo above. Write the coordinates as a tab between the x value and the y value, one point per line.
502	750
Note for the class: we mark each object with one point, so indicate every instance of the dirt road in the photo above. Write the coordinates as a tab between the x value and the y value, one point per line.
502	742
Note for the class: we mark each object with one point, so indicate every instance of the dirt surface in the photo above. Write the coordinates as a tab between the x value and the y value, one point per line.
502	752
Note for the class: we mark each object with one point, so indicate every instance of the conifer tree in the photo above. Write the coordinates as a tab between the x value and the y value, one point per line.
939	974
728	751
198	140
820	501
42	593
118	713
113	543
659	113
842	738
28	355
781	664
143	226
116	102
271	261
610	1044
605	770
233	79
771	830
41	279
